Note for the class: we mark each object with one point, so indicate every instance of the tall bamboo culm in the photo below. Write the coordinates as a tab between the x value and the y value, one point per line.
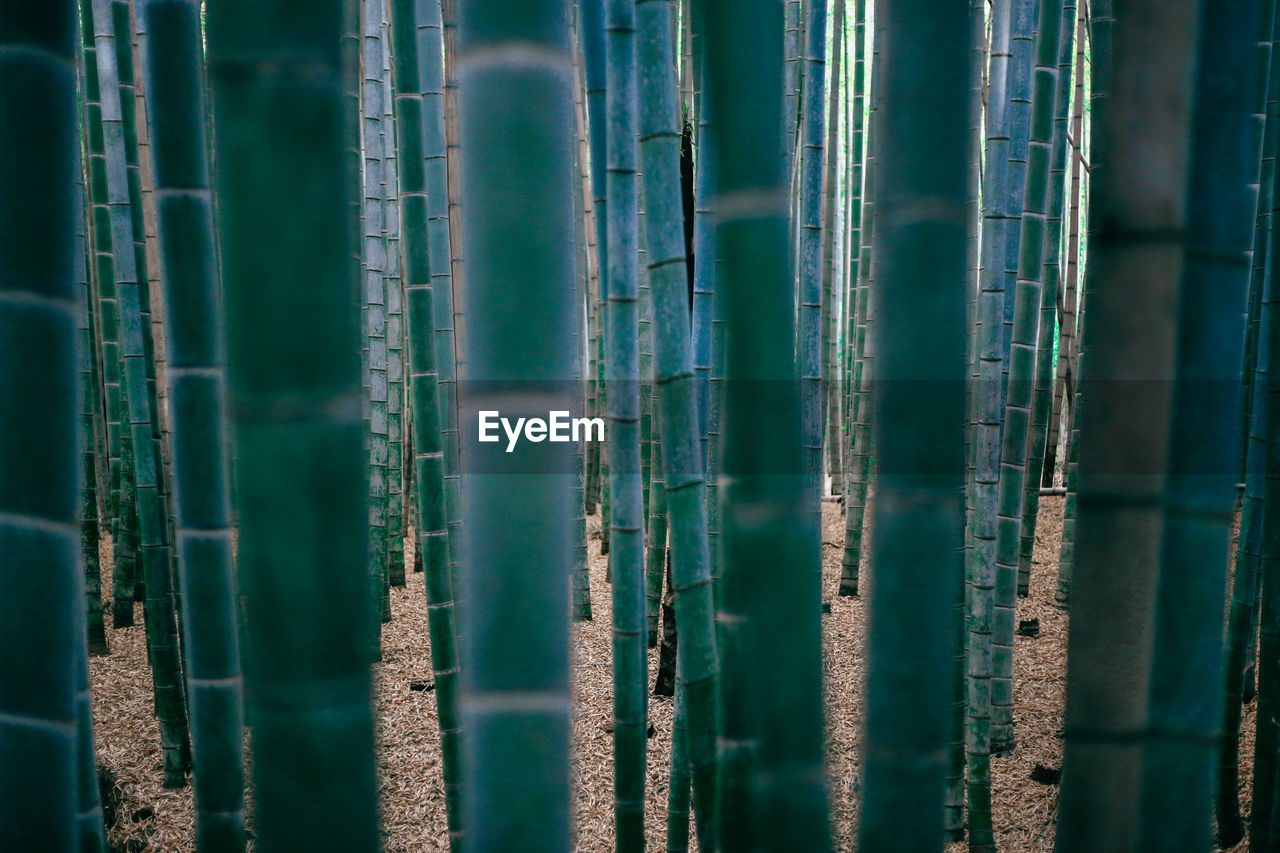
123	183
919	400
1020	390
431	77
1183	720
281	131
1137	231
196	372
41	613
1242	620
675	403
622	365
772	791
809	215
515	93
427	395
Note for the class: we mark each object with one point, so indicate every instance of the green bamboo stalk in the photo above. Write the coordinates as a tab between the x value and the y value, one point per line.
954	796
1019	394
135	139
792	74
809	216
1138	233
1242	627
981	574
89	818
704	267
772	784
124	195
864	357
678	783
41	614
1263	819
196	373
122	495
624	516
89	822
374	260
831	312
90	406
1183	720
515	93
428	398
675	404
281	132
431	77
919	400
453	157
396	466
584	246
1063	389
1049	295
90	830
1067	548
652	572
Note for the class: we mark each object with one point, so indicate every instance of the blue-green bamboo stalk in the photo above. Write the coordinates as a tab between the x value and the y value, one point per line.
592	36
919	401
630	662
117	506
1183	719
515	93
90	830
124	194
809	315
579	579
1042	399
1139	233
1019	392
431	77
981	572
1242	626
197	393
41	613
831	303
954	797
864	357
395	323
89	820
773	794
678	783
675	404
374	262
283	123
428	398
90	410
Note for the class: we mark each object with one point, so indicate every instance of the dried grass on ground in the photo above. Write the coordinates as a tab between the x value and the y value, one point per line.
152	819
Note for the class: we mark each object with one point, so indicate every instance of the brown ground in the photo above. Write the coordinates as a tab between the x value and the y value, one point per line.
152	819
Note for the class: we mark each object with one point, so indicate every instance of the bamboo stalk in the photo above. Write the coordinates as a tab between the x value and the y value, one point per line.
624	516
283	130
196	373
515	92
428	398
41	613
1138	229
919	401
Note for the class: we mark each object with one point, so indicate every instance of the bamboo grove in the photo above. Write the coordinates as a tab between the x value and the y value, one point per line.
271	269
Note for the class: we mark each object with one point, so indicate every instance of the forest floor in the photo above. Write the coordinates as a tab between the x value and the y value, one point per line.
145	817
